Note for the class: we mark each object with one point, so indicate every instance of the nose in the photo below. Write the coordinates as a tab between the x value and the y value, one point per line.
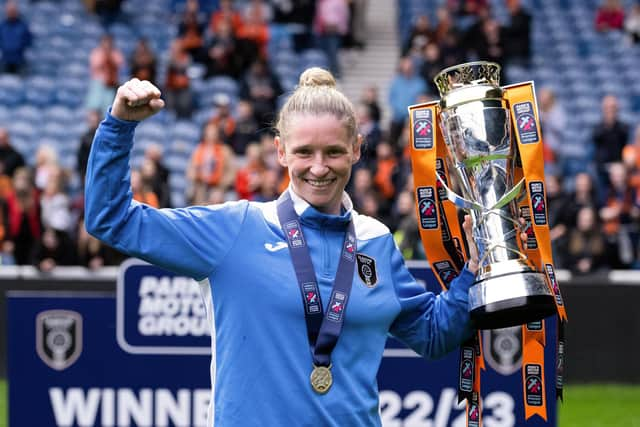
319	167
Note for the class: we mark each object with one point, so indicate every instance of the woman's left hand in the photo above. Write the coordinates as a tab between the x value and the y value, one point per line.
474	261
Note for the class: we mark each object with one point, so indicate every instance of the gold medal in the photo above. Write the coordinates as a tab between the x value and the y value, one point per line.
321	379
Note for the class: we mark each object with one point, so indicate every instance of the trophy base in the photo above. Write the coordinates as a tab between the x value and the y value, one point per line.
510	299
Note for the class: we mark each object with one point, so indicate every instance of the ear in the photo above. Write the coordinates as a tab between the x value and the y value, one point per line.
282	158
356	149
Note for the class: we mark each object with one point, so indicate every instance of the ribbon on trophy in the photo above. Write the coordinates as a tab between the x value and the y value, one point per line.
440	227
440	230
521	100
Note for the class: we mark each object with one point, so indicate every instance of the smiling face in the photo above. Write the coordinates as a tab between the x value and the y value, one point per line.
319	155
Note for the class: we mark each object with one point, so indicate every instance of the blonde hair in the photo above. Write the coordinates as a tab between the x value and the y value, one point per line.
317	94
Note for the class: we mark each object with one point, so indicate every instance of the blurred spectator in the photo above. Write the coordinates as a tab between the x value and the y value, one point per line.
553	121
618	216
269	186
142	62
610	16
222	117
225	54
46	165
262	88
369	97
177	89
445	25
10	158
55	204
584	195
403	91
517	35
631	159
141	189
54	248
92	253
361	183
432	64
15	38
632	24
211	166
105	61
474	32
406	230
609	138
385	173
298	16
331	23
255	27
586	248
23	218
356	34
191	31
225	13
246	127
249	177
157	174
257	9
371	133
467	7
491	45
558	214
82	157
420	34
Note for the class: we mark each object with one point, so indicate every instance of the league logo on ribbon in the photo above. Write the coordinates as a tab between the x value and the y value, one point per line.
536	188
427	208
526	123
336	306
311	298
59	338
423	130
466	370
294	235
533	384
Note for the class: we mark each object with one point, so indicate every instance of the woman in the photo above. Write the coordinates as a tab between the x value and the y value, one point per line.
262	348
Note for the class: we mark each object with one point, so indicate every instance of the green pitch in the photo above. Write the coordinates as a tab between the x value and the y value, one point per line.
600	405
3	403
584	406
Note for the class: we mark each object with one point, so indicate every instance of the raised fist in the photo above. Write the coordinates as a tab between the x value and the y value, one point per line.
136	100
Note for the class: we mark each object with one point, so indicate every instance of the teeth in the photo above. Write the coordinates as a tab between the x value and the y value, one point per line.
319	182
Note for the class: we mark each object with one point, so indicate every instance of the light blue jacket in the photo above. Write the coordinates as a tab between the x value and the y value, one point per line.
261	360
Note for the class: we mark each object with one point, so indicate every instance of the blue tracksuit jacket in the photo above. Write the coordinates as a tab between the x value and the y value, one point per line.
261	360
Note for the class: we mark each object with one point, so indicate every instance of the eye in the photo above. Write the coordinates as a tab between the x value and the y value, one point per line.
336	152
303	152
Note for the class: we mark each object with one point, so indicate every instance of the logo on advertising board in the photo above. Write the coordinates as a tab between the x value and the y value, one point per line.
422	129
526	123
159	312
59	337
503	349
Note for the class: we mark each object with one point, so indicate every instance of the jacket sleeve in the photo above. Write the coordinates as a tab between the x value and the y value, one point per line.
432	325
191	241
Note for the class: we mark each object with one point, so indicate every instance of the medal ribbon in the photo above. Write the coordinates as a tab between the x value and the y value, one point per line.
323	330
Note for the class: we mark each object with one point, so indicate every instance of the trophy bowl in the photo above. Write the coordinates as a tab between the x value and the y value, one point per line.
476	126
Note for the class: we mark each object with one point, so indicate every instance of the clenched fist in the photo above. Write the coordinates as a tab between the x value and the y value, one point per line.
136	100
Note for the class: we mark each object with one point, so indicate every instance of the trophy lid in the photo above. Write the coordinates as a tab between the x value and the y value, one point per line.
469	74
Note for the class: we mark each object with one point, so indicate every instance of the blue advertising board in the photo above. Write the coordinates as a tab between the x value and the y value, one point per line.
141	358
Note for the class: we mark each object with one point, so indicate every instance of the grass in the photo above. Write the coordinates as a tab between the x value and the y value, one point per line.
598	405
584	406
3	403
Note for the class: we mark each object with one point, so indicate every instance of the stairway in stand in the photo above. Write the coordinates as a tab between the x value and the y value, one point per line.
376	64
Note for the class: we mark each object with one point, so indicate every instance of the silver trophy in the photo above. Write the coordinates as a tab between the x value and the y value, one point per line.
476	126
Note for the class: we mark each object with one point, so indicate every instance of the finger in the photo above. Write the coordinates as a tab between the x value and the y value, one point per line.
140	94
151	89
156	104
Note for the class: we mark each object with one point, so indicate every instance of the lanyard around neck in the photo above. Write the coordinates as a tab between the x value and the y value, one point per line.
323	330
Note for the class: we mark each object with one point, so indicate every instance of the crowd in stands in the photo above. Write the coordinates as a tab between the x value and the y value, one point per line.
595	221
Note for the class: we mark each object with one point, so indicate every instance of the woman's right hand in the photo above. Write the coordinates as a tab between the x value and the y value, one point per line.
136	100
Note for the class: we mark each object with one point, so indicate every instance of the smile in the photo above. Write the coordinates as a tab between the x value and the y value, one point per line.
320	182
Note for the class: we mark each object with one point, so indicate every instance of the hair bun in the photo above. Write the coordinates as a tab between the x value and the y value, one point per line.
316	76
